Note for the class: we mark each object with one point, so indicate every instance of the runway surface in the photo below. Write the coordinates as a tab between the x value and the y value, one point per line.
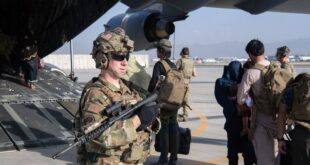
206	122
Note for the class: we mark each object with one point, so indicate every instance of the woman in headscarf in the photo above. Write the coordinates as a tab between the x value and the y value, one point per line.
225	94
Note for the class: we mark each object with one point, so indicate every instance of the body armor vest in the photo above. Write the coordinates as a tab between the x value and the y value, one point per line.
187	66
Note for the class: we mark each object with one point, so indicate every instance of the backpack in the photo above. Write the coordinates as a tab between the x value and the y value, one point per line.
275	80
301	98
172	89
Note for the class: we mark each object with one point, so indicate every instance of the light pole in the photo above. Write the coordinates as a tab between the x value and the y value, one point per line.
173	46
71	75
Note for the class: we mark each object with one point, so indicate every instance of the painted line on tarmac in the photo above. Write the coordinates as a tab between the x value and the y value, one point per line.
217	160
202	126
203	123
198	131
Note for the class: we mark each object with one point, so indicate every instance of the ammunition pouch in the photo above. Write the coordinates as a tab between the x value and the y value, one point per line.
136	153
132	154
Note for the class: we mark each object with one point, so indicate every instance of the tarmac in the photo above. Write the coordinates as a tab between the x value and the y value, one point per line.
206	122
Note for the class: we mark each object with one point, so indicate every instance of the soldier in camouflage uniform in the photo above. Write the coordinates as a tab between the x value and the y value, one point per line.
127	141
295	106
169	133
186	65
283	57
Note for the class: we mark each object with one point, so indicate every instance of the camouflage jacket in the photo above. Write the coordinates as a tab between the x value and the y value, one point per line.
289	67
186	65
121	143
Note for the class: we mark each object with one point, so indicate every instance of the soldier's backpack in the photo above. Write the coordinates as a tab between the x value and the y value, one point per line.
172	89
136	73
301	98
275	81
300	112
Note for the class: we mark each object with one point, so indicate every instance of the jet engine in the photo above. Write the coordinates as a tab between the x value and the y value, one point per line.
144	27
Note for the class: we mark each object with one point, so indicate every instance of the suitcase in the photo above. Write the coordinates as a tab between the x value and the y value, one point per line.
185	141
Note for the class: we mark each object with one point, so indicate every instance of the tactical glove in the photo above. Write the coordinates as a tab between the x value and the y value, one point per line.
147	114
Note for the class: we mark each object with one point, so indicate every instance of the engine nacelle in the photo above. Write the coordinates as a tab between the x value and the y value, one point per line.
143	27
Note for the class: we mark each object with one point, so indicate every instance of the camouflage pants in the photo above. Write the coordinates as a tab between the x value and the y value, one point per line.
107	161
186	109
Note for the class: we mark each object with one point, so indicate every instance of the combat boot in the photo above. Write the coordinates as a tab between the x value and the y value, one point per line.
173	162
161	163
163	160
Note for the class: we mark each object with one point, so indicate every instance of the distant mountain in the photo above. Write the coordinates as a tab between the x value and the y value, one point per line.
297	46
223	49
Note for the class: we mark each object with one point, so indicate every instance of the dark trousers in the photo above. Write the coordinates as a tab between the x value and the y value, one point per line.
238	144
300	146
169	136
30	69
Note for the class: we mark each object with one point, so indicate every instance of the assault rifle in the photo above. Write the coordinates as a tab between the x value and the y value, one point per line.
115	113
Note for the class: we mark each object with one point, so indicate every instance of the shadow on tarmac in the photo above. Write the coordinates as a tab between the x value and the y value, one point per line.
152	160
209	141
208	117
70	159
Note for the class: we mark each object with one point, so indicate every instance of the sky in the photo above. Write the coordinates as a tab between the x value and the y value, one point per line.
207	26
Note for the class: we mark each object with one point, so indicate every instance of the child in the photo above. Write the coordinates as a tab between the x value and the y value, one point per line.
246	113
245	116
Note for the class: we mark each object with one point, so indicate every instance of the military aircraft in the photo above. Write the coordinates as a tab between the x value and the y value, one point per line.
150	20
41	117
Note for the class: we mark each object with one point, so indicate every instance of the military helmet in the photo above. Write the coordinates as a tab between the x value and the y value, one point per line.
184	51
164	43
282	52
108	42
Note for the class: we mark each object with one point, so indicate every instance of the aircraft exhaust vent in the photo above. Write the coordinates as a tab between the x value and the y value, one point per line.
144	27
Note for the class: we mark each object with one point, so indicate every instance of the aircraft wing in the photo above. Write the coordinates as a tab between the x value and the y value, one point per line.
147	21
41	116
251	6
47	24
260	6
